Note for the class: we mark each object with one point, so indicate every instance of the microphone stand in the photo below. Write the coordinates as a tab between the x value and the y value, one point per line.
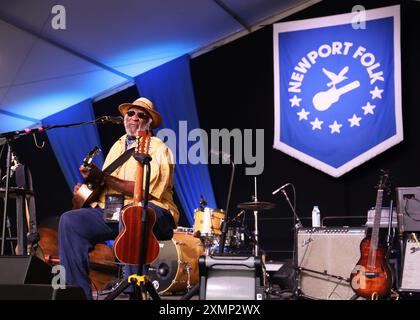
6	195
13	135
297	222
297	225
225	221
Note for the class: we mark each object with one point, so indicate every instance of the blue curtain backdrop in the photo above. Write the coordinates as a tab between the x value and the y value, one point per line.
71	145
170	88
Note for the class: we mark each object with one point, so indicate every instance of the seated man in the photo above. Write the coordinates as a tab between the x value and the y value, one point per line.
81	229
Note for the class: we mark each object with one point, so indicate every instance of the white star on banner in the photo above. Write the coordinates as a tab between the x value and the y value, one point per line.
316	124
335	127
295	101
368	108
303	114
354	121
376	93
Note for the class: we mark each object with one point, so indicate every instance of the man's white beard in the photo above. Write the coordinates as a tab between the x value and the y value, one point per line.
141	125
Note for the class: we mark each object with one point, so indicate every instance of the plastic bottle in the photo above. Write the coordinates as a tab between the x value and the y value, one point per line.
316	217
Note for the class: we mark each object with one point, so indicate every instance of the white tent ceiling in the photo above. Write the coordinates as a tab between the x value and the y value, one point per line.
106	43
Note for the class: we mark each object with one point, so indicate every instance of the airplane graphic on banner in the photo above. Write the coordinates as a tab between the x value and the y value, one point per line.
338	89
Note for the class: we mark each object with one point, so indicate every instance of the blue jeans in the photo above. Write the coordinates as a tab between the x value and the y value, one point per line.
80	230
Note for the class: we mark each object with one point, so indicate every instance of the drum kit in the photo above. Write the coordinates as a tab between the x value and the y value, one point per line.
176	268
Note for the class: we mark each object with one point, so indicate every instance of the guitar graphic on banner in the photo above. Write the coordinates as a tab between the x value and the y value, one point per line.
325	99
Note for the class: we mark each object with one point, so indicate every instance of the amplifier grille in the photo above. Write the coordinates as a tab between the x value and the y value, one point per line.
333	252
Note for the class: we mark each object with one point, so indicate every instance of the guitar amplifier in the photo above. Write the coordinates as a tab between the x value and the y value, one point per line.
408	208
231	277
326	258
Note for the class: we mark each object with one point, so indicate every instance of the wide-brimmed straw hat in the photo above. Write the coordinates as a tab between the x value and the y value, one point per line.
146	105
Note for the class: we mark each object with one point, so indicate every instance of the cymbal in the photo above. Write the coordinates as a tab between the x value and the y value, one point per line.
255	206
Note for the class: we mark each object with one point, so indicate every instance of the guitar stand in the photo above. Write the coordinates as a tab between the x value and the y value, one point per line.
140	282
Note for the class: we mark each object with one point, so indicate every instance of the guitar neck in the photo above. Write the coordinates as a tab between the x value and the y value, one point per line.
138	186
374	240
142	148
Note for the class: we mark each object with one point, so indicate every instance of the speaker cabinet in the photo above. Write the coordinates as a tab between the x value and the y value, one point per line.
230	278
24	270
327	257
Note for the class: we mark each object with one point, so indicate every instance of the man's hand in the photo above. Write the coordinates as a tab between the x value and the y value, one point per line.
91	175
77	200
76	188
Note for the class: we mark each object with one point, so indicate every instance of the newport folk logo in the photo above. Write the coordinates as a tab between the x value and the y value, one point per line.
338	83
337	89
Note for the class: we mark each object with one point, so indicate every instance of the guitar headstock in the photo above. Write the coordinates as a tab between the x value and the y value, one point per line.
384	181
143	141
88	159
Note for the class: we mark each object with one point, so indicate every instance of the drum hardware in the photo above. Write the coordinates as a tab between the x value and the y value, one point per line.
203	202
256	206
226	158
178	258
188	271
184	230
182	262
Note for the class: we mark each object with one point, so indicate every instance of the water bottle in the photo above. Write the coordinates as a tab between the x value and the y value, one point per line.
316	217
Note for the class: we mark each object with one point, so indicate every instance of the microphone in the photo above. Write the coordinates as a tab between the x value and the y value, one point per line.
238	215
281	188
111	119
203	202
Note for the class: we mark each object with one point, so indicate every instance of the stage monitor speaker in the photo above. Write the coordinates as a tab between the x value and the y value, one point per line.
39	292
327	257
24	270
410	271
225	277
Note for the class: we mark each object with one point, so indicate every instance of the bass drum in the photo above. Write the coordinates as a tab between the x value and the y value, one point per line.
176	267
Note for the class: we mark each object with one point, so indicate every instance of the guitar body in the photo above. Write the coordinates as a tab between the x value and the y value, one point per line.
371	283
88	194
127	244
132	246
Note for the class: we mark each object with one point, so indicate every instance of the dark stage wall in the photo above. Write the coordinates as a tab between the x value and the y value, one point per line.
234	89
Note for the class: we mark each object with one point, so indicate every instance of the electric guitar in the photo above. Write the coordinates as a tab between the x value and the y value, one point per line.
372	277
90	190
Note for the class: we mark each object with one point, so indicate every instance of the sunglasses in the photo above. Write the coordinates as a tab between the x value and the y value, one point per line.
140	114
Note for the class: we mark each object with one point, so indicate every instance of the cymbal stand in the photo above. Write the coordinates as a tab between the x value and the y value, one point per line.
256	234
225	220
